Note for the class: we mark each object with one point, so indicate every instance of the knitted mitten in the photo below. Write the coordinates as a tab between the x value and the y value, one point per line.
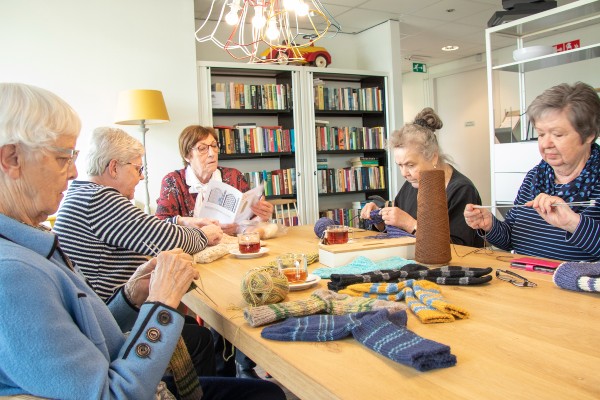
338	304
580	276
314	328
429	294
381	291
184	373
387	335
339	281
258	316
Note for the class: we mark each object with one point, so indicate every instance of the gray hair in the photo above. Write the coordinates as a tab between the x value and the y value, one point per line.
33	116
580	101
111	144
420	134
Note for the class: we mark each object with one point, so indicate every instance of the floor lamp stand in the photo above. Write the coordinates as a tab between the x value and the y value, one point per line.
143	129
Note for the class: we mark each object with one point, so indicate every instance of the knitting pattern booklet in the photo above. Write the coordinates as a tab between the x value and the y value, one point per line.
227	204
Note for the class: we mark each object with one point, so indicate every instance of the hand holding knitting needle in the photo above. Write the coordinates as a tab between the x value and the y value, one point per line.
172	277
478	218
560	217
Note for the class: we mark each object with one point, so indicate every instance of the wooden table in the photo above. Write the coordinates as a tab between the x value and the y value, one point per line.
525	343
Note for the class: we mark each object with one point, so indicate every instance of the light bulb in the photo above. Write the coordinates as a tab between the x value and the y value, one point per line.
272	32
258	21
302	9
290	5
232	18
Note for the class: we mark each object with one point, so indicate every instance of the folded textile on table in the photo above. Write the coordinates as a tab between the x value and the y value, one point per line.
363	264
213	253
422	297
320	301
382	331
579	276
447	275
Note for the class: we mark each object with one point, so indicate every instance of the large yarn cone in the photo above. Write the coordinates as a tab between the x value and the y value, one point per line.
433	233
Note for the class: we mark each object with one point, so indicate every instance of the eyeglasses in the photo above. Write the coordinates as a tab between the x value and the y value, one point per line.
140	168
514	278
203	148
71	153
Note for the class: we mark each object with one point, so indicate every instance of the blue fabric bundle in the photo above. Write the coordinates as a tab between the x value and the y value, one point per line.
579	276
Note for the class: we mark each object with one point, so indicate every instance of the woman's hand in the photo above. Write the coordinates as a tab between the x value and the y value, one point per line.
198	223
263	209
213	233
478	218
398	217
562	217
136	288
365	213
229	229
172	277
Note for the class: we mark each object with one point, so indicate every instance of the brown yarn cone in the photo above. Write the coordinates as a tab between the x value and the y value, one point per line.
433	233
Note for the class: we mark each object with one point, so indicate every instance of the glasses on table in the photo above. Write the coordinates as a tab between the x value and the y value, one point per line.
514	278
71	154
203	148
140	168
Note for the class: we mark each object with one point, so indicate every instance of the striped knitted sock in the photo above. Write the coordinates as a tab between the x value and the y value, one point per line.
184	373
382	291
314	328
429	294
340	281
387	335
262	315
425	313
579	276
338	303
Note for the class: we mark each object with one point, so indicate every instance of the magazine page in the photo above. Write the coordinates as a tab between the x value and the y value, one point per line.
250	198
227	204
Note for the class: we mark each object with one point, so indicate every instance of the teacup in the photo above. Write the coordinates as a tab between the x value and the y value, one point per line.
338	234
293	266
249	242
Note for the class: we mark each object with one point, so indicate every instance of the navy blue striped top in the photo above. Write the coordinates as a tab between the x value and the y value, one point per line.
104	234
526	232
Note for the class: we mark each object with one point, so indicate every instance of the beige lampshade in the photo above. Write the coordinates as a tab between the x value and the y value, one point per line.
137	105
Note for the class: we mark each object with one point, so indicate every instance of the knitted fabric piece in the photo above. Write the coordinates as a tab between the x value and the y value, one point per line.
579	276
387	335
314	328
338	304
429	294
446	275
310	258
340	281
362	264
391	230
262	315
184	373
425	313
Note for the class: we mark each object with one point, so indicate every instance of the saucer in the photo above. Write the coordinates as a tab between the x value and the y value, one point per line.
236	252
311	280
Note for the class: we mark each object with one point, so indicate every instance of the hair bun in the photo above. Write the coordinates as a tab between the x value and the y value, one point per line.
427	118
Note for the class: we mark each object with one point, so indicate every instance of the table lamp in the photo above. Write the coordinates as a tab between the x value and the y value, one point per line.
142	107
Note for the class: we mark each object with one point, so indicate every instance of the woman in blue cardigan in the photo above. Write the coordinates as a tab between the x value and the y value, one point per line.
58	339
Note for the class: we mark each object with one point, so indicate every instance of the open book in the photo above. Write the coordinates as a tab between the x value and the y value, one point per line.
227	204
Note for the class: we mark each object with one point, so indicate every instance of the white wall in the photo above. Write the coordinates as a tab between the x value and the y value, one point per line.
87	51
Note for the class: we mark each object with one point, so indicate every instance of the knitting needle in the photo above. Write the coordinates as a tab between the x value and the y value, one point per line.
589	203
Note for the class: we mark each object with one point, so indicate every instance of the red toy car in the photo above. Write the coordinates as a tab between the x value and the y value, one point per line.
314	55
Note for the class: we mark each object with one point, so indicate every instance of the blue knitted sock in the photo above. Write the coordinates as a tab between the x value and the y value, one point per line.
580	276
314	328
387	335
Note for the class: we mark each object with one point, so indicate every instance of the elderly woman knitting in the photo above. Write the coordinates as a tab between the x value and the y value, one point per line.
59	339
567	120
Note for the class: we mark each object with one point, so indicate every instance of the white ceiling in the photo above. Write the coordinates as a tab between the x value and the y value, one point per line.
425	25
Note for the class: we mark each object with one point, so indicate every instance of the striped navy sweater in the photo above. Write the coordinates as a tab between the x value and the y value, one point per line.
526	232
106	235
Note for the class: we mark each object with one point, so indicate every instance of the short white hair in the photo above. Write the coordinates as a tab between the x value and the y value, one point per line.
111	144
33	116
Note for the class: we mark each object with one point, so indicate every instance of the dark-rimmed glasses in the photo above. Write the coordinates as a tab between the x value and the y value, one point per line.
203	148
70	153
514	278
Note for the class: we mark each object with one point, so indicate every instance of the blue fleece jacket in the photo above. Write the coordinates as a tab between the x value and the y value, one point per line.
58	339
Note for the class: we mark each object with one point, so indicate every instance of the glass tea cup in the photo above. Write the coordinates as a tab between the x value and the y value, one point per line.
293	266
338	234
249	242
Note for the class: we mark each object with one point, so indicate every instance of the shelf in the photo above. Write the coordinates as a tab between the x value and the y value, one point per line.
354	192
244	111
254	155
346	113
359	151
552	60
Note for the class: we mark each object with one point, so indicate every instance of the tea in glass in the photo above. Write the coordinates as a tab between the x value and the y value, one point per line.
337	234
249	242
293	266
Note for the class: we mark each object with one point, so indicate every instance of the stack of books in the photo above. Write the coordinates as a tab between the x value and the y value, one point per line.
364	162
321	163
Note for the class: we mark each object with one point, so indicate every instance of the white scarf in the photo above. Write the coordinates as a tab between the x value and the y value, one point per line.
198	187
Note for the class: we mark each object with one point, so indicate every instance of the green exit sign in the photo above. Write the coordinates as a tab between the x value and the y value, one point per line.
419	67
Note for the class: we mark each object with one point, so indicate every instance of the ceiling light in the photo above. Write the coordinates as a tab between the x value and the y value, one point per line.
450	48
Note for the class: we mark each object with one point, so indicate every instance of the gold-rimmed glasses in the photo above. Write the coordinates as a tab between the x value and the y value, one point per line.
203	148
514	278
139	167
71	154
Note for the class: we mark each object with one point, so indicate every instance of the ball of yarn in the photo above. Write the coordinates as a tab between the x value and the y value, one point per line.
322	224
264	285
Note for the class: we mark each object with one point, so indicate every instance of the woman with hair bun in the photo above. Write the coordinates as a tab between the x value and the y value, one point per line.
415	148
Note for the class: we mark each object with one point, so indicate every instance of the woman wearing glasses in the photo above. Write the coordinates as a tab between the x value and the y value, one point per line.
567	120
199	149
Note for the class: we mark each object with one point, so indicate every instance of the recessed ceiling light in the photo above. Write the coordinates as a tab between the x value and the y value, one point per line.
449	48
